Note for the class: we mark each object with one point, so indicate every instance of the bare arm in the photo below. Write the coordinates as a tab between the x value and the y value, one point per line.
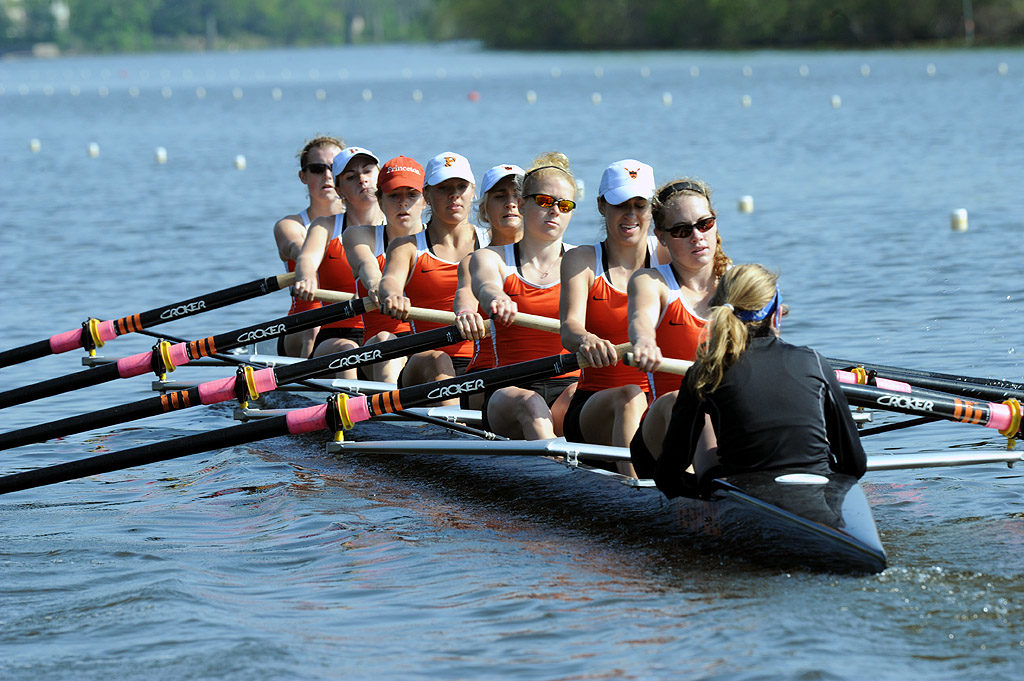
289	234
647	297
400	260
577	275
358	242
310	257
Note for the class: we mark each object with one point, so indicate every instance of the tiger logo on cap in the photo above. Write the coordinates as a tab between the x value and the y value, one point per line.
633	173
449	161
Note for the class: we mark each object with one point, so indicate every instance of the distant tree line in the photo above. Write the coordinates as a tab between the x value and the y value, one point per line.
135	25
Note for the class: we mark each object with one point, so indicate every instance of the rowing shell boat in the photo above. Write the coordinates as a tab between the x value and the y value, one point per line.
780	518
785	518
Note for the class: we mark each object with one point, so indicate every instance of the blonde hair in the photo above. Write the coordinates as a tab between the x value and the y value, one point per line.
743	288
315	143
545	164
687	186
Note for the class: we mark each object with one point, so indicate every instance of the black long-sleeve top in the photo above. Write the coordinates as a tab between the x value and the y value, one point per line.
778	407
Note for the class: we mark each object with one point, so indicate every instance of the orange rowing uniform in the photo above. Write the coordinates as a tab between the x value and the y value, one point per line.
299	305
608	318
374	322
677	334
336	275
432	284
513	344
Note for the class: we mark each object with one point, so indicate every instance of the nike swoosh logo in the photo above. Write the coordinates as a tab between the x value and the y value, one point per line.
430	270
672	323
513	295
596	298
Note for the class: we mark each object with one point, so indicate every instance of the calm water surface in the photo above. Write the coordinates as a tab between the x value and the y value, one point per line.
274	560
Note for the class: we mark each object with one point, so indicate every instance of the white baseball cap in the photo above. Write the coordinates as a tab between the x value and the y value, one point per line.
447	165
624	180
345	156
498	173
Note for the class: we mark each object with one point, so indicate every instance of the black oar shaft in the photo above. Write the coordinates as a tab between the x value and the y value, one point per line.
181	353
139	456
222	390
994	389
69	340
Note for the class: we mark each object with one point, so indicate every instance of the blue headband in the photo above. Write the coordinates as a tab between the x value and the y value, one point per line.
758	315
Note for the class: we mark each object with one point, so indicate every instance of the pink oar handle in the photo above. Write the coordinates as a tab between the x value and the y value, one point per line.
223	389
136	365
883	383
70	340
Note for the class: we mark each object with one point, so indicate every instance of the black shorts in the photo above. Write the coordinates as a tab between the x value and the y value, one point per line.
550	389
643	462
571	424
352	333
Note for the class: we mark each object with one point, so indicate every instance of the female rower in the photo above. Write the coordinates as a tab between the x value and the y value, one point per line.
524	277
610	397
322	260
498	212
752	401
400	195
669	304
422	270
315	172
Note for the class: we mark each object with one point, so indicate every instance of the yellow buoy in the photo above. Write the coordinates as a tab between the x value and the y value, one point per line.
160	154
34	145
240	162
746	204
958	220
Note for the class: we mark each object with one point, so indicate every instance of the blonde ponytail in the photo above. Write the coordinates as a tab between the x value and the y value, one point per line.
743	290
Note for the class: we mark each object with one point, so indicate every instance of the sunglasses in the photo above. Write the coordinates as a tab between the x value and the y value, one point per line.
546	201
318	168
683	230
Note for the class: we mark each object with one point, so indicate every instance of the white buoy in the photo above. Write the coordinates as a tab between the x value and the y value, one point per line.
133	92
276	94
958	220
160	154
321	95
747	72
103	91
836	101
417	95
200	92
865	70
645	72
746	101
581	190
237	93
93	150
367	94
930	69
598	72
166	92
556	72
666	98
1003	68
531	97
240	162
694	71
34	145
804	70
595	98
746	204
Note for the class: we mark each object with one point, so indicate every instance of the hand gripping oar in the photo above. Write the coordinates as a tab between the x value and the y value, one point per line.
166	357
338	414
901	397
94	333
249	385
982	388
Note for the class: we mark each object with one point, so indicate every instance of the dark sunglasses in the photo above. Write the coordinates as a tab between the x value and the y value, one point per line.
318	168
683	230
546	201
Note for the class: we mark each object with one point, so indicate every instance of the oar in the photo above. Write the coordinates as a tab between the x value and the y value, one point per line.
247	384
901	397
166	357
94	333
983	388
337	414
